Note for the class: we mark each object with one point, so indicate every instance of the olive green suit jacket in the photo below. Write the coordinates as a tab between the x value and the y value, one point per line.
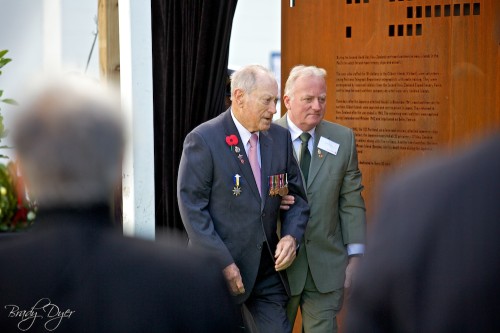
337	215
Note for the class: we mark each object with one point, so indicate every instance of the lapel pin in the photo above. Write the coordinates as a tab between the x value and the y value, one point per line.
320	153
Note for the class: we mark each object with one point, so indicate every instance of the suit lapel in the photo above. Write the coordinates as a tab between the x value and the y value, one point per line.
316	161
245	169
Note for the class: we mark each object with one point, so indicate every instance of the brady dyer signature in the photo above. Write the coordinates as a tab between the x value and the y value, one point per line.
48	313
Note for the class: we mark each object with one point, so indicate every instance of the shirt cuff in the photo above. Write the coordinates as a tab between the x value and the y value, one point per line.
355	248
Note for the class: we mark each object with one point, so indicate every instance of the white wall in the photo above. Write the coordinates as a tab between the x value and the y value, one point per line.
256	34
23	34
78	28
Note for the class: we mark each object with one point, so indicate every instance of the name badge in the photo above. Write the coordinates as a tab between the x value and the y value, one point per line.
328	145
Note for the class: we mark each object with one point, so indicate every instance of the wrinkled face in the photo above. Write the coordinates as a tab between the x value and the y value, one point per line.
307	101
256	109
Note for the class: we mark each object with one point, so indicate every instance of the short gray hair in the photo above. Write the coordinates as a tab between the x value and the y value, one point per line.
301	71
70	142
246	77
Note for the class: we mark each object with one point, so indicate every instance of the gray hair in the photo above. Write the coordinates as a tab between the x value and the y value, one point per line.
246	77
301	71
70	142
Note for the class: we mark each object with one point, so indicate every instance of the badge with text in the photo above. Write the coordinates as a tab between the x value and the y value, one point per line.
278	185
236	188
328	145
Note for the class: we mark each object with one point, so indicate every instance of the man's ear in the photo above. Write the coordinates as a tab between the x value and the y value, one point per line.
287	100
238	97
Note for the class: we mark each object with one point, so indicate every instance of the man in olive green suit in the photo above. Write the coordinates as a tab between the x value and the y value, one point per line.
334	237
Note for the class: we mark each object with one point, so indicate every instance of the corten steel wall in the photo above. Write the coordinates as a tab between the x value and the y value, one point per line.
410	77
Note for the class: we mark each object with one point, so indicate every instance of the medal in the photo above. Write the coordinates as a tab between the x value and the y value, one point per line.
272	181
278	185
281	190
285	188
273	188
236	188
271	191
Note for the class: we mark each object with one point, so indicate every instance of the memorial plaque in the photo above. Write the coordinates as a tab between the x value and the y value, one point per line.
410	77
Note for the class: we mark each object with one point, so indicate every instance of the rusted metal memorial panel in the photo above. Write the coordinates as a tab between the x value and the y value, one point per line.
410	77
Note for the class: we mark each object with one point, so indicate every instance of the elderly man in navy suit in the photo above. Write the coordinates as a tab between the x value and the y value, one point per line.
233	172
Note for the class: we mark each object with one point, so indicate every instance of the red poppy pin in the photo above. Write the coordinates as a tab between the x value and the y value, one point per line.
232	140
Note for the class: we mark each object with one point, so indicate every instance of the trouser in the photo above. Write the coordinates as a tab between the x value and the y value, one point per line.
319	310
268	300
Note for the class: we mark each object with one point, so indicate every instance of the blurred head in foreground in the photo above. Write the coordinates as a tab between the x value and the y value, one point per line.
69	141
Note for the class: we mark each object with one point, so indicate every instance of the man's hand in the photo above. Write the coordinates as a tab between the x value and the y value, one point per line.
233	278
352	265
287	201
285	252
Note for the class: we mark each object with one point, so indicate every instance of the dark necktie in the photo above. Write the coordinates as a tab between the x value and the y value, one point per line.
305	155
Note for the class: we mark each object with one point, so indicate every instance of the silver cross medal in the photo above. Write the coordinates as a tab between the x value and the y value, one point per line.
237	188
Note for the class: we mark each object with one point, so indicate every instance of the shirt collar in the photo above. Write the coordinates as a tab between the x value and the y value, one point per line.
244	133
295	132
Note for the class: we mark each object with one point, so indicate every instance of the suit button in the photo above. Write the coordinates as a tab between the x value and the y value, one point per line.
263	214
308	241
259	246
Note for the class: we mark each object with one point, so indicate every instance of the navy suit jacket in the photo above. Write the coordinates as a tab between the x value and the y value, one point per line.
235	227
